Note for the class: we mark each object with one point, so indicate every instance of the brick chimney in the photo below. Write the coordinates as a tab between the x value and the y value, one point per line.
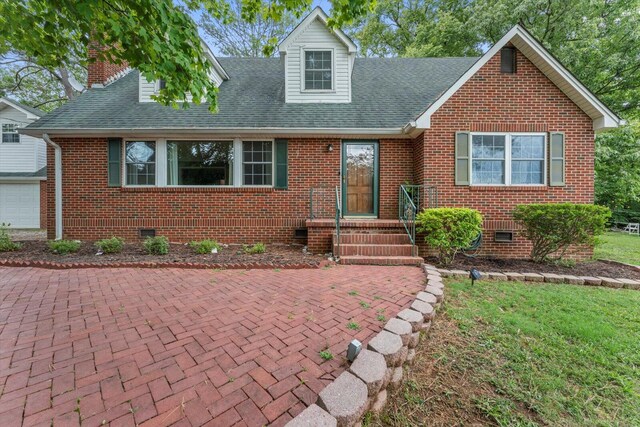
101	72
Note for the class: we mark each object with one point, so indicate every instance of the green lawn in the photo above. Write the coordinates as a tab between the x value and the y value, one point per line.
517	354
621	247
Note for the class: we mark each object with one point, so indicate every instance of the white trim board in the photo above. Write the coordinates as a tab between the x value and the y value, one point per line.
9	103
602	117
316	13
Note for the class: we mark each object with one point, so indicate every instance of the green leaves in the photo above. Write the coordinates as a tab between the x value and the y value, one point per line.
448	230
555	228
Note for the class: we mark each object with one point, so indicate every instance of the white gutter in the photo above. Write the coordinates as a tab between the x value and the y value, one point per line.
58	177
226	131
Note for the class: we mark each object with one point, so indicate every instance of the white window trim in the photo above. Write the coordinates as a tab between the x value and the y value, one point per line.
303	66
507	159
161	162
15	126
124	162
273	163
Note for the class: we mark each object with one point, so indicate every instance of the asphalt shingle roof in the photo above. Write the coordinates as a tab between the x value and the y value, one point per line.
32	110
386	93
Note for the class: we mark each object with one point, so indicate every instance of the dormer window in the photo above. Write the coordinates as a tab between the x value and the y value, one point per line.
318	70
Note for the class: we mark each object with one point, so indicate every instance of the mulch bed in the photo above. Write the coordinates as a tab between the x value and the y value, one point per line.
180	255
587	268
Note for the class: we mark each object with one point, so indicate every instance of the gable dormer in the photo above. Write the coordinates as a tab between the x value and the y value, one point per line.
318	62
146	89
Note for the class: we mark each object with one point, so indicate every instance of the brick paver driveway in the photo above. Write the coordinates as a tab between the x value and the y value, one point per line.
182	347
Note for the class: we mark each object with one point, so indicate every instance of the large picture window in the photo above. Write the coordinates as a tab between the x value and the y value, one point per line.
257	162
318	70
508	159
200	163
140	162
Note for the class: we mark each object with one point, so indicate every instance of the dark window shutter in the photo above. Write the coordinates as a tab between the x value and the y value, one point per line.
114	162
282	167
557	159
463	157
508	60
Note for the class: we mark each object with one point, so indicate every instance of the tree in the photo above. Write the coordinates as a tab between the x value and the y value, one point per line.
155	36
235	36
417	28
21	77
598	40
618	168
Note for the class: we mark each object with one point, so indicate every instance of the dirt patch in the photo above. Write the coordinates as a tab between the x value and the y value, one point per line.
587	268
276	254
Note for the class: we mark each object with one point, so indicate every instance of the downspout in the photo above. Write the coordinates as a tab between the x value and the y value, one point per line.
58	177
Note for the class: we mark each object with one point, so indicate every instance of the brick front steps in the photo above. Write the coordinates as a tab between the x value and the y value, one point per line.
363	387
549	278
375	248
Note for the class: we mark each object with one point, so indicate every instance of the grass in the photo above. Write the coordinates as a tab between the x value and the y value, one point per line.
617	246
326	354
515	354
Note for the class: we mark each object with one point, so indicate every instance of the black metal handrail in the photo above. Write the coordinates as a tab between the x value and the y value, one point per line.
407	214
411	200
338	216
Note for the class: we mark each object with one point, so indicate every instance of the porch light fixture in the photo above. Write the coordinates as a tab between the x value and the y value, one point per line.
474	275
353	350
330	148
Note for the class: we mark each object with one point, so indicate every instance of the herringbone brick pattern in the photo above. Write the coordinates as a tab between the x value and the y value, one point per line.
182	347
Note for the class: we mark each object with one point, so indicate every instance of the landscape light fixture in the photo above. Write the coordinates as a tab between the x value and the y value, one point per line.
330	148
474	274
353	350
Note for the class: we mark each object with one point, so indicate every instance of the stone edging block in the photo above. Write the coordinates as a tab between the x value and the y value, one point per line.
570	279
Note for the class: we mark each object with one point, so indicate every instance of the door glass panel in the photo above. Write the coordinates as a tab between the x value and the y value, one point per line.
359	176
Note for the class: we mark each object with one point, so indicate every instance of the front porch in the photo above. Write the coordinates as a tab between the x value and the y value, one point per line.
367	240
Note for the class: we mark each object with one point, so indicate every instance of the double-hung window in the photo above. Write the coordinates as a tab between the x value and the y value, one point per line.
257	162
318	70
140	162
10	134
508	159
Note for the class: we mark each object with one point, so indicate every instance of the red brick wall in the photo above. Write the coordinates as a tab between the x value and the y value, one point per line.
100	71
43	204
522	102
93	210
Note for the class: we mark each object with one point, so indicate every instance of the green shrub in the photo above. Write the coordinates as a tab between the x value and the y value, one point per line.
158	245
448	230
258	248
63	247
205	246
113	245
6	244
553	228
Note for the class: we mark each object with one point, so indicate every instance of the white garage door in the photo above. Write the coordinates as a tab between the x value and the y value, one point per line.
20	205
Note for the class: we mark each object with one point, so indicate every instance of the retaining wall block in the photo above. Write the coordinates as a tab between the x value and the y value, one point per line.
346	399
389	345
416	319
313	416
423	308
371	368
402	328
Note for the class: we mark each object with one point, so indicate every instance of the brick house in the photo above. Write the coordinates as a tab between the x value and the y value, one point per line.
319	130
